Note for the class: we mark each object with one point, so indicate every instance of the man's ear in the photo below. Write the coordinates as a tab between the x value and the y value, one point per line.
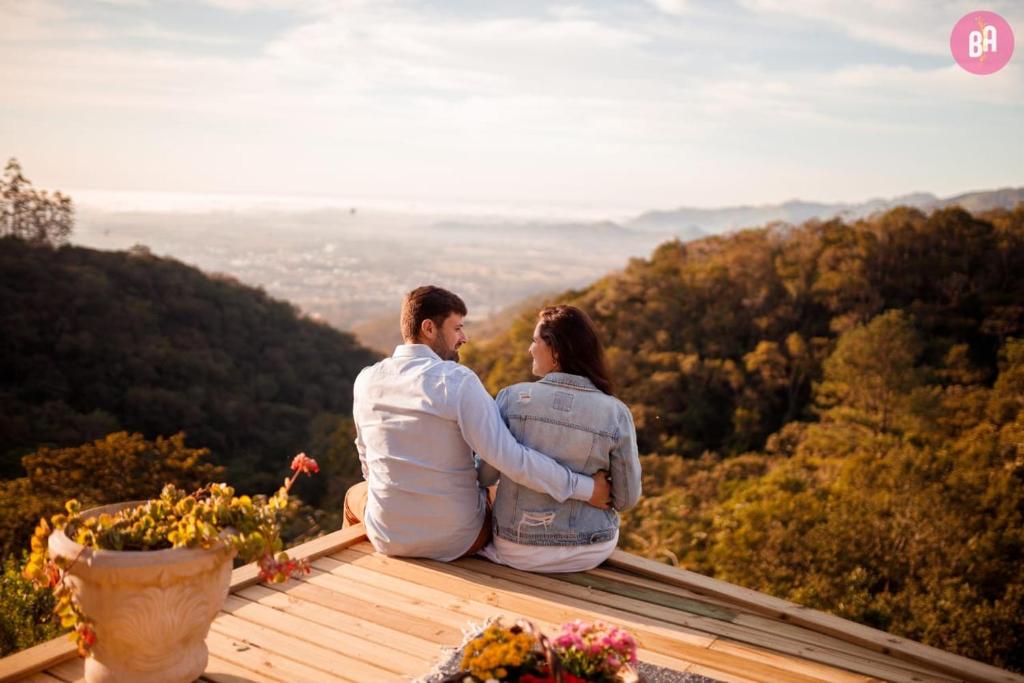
428	330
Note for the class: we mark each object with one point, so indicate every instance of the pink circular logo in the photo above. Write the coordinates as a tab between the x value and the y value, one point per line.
982	42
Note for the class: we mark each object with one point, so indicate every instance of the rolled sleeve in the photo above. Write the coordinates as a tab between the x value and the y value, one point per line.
487	434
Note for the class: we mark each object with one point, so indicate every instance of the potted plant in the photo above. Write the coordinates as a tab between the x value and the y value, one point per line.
140	582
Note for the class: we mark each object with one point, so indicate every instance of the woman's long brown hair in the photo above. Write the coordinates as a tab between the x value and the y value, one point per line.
572	335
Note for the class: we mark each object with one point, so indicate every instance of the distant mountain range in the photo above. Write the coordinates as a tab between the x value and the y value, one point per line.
692	223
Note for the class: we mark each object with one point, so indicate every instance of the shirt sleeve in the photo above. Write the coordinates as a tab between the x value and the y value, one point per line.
486	433
360	446
486	472
625	464
361	449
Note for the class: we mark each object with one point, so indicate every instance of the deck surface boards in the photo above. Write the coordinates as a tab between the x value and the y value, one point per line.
546	606
360	616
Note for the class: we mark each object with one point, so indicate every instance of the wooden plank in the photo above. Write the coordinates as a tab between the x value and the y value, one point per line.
806	658
506	595
475	586
222	671
856	666
607	571
70	670
392	657
471	608
36	659
661	598
40	677
268	664
723	676
468	609
339	621
463	609
330	662
772	626
851	656
440	614
427	629
326	544
651	633
809	660
879	641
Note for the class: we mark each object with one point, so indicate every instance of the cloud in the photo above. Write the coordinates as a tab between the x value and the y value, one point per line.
27	22
675	7
388	95
919	27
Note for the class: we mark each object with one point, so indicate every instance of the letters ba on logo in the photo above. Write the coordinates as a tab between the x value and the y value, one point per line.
981	42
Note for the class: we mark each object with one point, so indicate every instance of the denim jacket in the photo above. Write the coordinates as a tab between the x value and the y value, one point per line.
571	420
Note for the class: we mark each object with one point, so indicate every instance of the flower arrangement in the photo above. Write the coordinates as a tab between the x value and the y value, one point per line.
211	516
499	653
583	652
594	652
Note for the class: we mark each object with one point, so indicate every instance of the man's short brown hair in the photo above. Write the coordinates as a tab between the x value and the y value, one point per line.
428	303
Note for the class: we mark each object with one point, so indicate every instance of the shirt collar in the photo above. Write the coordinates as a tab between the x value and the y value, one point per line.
414	351
566	379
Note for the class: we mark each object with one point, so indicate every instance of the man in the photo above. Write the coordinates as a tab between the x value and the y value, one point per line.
419	418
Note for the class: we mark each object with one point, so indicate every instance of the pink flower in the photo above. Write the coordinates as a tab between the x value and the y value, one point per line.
304	463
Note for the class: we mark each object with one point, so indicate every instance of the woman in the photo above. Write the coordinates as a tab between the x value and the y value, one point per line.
571	415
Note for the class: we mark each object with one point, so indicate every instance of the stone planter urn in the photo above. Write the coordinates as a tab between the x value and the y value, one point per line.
152	608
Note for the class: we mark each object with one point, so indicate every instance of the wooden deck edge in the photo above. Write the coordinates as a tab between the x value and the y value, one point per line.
43	656
325	545
36	658
820	622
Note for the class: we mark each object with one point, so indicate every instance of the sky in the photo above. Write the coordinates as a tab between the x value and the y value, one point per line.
596	105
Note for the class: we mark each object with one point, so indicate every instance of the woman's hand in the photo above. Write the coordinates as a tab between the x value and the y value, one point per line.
602	495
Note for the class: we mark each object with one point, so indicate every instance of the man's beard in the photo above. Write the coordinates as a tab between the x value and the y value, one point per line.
446	352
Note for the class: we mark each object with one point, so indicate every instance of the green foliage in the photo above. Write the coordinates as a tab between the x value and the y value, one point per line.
332	438
26	614
33	215
872	372
95	473
915	530
96	342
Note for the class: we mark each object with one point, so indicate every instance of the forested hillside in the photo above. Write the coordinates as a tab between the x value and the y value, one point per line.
716	343
96	342
832	413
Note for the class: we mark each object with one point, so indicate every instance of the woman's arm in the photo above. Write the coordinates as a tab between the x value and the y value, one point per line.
625	464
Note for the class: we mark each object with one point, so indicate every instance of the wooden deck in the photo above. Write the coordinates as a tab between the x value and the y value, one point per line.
360	616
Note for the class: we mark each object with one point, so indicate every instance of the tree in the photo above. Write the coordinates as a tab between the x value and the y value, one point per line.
30	214
872	371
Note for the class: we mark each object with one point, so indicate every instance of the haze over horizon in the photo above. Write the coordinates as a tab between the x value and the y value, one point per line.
606	108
